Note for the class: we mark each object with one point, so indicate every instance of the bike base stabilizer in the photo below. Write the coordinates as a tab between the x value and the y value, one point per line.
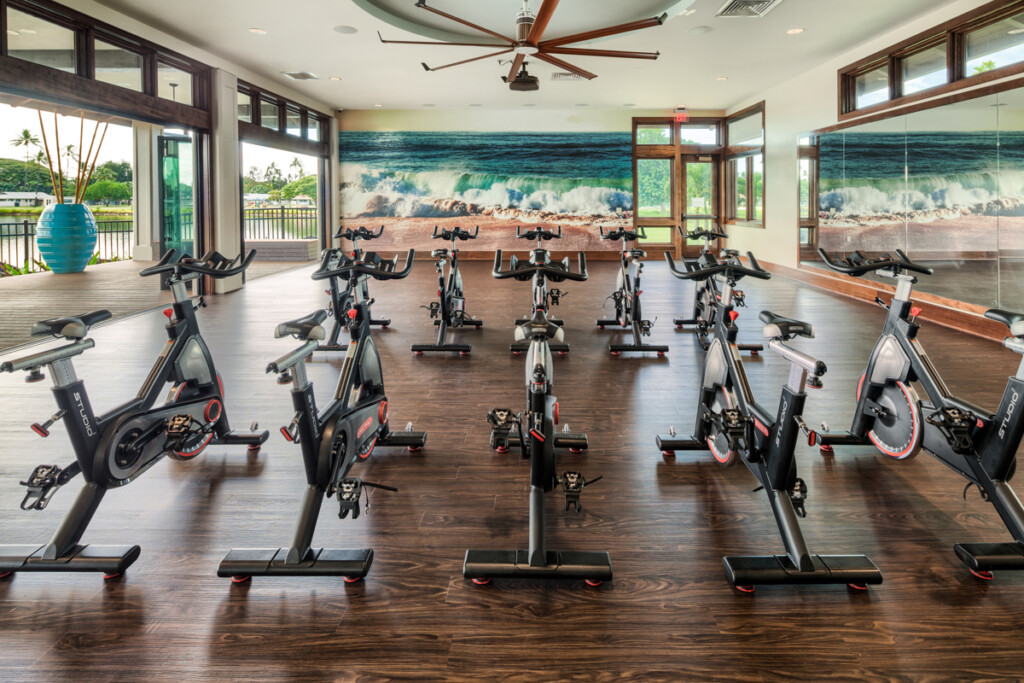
751	570
988	557
109	559
587	565
461	348
244	562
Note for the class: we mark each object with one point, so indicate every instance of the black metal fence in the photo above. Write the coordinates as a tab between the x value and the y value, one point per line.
280	223
18	246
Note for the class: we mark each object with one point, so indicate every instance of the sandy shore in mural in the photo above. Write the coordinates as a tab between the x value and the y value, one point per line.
496	232
937	236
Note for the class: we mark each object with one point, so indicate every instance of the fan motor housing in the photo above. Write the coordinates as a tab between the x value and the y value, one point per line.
524	23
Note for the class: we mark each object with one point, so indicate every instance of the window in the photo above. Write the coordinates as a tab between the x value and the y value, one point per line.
654	135
173	83
244	106
698	134
654	188
41	42
745	168
313	129
118	66
924	69
738	171
293	122
994	46
757	187
872	87
268	114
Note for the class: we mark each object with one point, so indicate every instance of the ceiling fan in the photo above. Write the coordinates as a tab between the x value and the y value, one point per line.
529	28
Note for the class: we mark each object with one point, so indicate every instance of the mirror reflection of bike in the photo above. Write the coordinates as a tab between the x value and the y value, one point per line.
449	311
113	449
346	431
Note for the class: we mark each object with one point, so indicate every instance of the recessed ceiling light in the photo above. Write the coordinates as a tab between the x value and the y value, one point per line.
582	104
428	105
476	105
334	78
629	105
28	31
700	29
530	104
1012	31
347	30
11	33
257	31
378	105
723	78
794	31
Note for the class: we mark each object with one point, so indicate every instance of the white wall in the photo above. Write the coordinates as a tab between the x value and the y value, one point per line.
794	108
579	120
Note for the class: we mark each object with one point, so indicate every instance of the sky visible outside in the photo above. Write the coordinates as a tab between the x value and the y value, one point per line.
117	146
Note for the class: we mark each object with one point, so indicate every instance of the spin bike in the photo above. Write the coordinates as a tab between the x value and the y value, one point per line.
534	433
979	445
705	293
355	289
346	431
113	449
731	423
543	298
450	309
627	293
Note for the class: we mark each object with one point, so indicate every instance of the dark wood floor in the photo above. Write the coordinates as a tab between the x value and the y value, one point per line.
669	613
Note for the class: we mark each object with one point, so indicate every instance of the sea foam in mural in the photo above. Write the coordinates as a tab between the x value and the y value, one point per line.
415	180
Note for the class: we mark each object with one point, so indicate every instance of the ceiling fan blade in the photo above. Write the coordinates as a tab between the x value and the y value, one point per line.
517	63
565	65
423	5
427	42
541	22
604	32
601	53
466	61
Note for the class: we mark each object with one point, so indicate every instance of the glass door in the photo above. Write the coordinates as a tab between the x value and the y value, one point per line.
178	194
699	184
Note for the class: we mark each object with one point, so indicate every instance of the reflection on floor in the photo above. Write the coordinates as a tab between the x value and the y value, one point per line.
24	299
669	614
991	283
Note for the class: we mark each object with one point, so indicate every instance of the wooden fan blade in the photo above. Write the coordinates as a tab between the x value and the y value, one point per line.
604	32
466	61
601	53
541	22
428	42
516	65
423	5
565	65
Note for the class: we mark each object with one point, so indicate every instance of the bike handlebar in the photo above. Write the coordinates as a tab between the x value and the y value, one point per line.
856	264
546	268
360	233
623	234
212	263
732	267
538	233
457	231
702	234
350	265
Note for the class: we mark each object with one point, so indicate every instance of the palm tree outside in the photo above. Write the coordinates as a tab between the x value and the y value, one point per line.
296	166
26	139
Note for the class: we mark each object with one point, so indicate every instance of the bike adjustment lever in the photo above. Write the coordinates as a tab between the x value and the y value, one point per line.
43	430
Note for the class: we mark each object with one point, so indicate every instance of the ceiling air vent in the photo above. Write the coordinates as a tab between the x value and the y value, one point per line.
565	76
747	8
301	75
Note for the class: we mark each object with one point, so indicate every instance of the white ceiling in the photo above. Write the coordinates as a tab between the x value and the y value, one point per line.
754	54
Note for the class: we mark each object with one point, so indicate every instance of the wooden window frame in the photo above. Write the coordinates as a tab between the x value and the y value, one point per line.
950	33
744	152
810	152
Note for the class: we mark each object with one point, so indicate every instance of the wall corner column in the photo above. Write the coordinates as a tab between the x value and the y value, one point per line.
225	185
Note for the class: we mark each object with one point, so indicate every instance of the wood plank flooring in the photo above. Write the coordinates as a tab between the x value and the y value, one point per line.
669	613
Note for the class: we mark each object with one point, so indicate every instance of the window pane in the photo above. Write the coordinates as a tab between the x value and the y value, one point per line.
758	187
245	107
654	135
924	70
805	188
173	84
698	188
268	115
118	66
313	131
746	131
872	87
997	45
739	188
805	236
658	235
293	122
698	134
40	42
654	187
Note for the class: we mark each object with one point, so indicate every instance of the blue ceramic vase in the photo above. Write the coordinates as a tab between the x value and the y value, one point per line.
66	236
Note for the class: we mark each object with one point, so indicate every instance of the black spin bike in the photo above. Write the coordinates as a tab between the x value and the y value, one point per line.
355	289
534	433
450	308
332	441
626	296
731	423
113	449
976	443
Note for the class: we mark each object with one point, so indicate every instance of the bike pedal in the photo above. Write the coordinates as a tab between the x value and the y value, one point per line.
572	484
798	494
349	492
41	484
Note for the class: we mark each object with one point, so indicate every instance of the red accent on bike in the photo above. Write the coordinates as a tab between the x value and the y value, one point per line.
383	412
615	353
169	312
594	583
240	579
745	589
353	254
562	353
982	574
915	311
537	435
980	424
481	582
760	427
352	579
502	449
418	353
287	435
575	450
40	430
352	313
812	438
439	292
733	315
213	410
363	427
327	291
858	586
669	454
826	449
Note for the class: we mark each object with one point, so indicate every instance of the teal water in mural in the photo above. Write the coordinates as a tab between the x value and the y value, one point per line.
447	174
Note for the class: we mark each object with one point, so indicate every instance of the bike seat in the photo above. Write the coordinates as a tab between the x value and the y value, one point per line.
777	327
1015	321
73	327
538	326
304	328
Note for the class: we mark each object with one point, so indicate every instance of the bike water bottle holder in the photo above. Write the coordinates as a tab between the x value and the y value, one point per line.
955	425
